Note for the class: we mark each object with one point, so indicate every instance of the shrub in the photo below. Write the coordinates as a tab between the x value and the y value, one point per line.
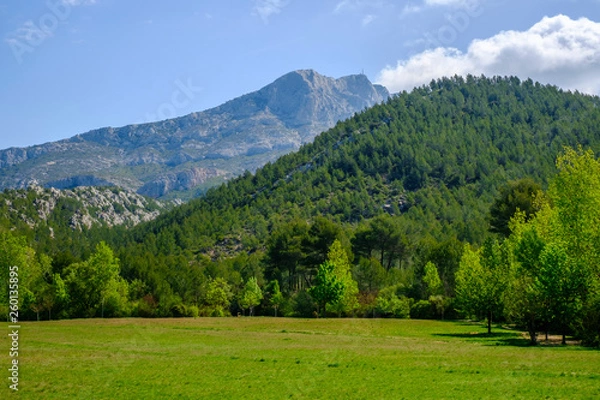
422	309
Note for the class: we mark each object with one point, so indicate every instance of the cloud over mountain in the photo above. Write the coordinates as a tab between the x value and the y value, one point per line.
556	50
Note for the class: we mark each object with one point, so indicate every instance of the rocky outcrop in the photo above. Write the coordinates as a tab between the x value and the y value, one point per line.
88	205
182	153
184	180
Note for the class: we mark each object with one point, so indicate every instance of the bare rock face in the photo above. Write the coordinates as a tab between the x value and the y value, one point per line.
199	149
181	181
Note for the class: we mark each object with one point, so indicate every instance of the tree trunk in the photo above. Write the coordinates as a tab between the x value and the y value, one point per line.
489	322
532	333
564	339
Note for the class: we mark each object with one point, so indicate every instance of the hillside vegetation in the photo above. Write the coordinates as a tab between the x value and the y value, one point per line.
388	197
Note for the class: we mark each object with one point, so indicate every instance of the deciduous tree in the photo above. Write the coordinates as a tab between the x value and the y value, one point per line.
327	288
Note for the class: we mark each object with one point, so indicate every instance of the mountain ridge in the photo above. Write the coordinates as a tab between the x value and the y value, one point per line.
201	148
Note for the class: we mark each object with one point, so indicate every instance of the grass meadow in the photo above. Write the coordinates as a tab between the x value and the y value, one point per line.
279	358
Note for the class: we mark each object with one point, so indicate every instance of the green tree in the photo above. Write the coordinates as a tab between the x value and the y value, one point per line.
391	304
480	282
370	275
560	284
275	296
250	296
513	196
327	288
559	248
384	238
348	302
90	283
285	253
435	288
20	259
218	297
432	280
524	304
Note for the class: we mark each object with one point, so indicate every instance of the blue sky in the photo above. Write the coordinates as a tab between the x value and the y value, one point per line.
69	66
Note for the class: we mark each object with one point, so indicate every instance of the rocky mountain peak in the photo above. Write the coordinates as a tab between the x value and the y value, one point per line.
186	155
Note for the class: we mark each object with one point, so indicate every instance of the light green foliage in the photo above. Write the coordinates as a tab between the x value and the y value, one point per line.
574	218
60	293
14	252
469	282
390	304
481	281
561	286
218	298
432	280
94	282
250	296
523	302
559	249
275	296
435	288
348	303
42	292
327	287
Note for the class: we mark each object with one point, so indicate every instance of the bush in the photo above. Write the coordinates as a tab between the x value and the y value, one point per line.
192	311
389	304
178	311
303	305
589	331
146	307
423	309
116	306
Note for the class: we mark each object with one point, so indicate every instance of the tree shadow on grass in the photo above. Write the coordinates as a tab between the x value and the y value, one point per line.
502	338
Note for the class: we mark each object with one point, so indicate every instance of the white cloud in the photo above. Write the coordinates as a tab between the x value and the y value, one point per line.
410	9
74	3
357	5
470	6
556	50
266	8
368	19
451	3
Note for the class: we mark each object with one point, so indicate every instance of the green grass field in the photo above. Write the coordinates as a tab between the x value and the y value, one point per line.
268	358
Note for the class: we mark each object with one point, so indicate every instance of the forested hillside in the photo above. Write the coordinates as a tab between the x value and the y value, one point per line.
384	197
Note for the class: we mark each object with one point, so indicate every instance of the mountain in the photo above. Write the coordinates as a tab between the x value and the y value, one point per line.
401	184
178	157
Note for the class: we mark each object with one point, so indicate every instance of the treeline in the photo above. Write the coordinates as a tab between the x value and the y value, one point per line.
400	188
542	275
546	275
